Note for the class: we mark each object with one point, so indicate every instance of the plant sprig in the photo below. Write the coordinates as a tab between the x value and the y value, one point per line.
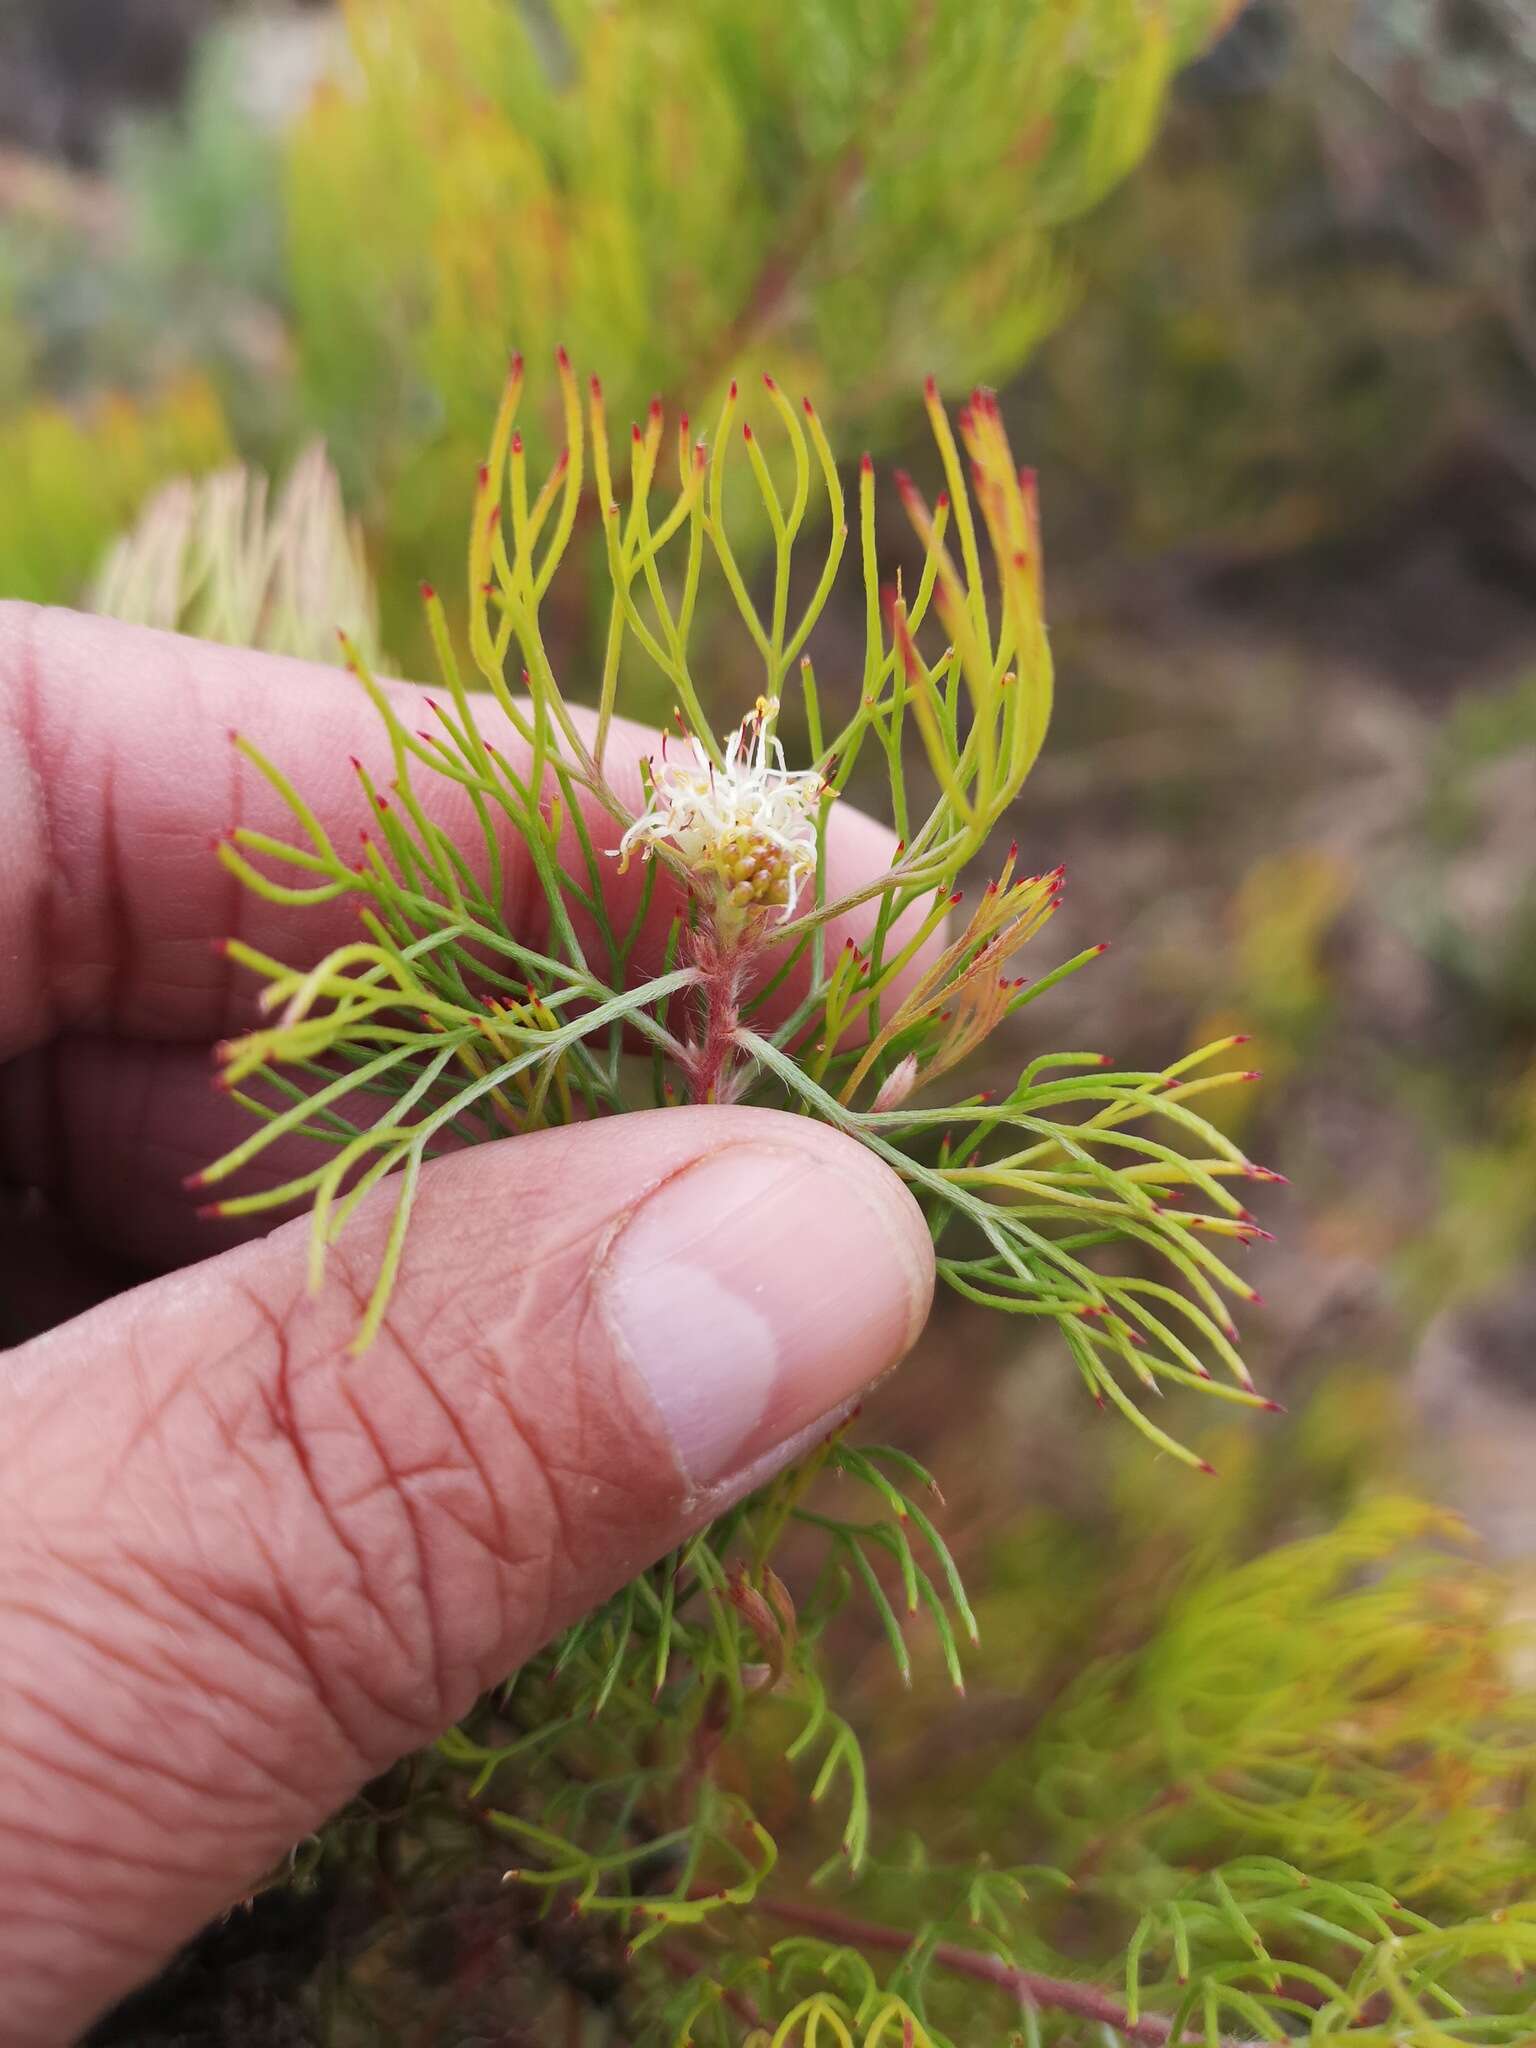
442	1024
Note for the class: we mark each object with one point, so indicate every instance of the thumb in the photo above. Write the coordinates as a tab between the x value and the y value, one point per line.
242	1571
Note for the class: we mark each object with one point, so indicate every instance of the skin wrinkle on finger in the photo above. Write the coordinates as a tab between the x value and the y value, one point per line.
549	1286
383	1431
274	1401
351	1548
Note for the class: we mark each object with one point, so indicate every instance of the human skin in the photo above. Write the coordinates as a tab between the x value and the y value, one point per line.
242	1571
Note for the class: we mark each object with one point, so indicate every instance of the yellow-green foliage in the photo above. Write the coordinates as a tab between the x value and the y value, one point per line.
1282	914
1344	1702
673	186
72	479
1299	1800
1487	1203
1295	1802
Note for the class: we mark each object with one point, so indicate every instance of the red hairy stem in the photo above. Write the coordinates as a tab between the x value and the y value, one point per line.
712	1054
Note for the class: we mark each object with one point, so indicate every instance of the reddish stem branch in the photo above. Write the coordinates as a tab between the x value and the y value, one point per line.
1058	1994
719	995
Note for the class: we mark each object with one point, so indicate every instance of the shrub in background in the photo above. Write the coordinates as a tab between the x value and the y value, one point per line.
870	193
1328	281
74	479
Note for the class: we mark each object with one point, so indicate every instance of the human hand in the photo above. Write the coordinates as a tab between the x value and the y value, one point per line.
240	1570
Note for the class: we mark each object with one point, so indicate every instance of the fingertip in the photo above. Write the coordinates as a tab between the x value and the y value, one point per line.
762	1288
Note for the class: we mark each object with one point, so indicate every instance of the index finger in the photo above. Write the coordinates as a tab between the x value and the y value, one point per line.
116	771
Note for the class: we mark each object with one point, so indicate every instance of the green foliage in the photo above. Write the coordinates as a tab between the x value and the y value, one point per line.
201	188
1190	1794
73	481
1239	1700
686	190
1361	1681
865	193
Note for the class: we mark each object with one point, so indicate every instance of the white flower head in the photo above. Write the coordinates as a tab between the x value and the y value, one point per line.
749	825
